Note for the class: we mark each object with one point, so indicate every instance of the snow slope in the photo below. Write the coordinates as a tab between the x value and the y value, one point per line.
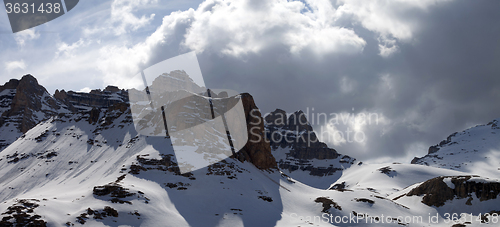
475	151
60	162
66	171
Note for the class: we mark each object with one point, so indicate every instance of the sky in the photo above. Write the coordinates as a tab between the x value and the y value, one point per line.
391	77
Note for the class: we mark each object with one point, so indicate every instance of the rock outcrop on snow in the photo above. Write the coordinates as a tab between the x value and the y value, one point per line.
439	190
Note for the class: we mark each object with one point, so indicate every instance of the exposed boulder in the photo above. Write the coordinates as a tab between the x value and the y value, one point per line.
327	204
436	191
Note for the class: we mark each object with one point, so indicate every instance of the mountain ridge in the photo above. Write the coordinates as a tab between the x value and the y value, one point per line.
86	165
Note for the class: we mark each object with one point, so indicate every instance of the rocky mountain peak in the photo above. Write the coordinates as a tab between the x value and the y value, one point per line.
12	84
467	150
111	89
277	118
30	98
23	104
298	121
297	134
296	146
29	95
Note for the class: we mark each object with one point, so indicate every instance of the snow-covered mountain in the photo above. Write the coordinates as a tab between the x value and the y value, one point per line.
475	150
82	163
23	104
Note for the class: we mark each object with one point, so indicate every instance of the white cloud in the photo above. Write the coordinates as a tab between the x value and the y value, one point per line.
23	36
387	47
119	62
85	90
13	65
238	28
330	133
66	50
233	28
123	18
354	130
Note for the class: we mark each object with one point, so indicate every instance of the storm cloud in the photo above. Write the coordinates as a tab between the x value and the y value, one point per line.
426	69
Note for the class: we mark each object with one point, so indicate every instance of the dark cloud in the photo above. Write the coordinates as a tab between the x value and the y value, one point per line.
444	80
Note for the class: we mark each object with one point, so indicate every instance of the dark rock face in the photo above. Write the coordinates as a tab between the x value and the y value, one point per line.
494	124
28	99
296	135
257	150
339	187
78	101
277	119
436	192
433	149
94	115
23	104
97	215
298	122
327	204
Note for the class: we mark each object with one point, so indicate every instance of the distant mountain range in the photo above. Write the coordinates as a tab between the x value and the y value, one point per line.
74	158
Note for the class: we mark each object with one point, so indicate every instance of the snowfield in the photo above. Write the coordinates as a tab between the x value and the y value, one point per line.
62	164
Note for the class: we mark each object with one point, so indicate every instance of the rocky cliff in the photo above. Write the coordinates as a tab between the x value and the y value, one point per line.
297	148
257	150
80	101
23	104
295	132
